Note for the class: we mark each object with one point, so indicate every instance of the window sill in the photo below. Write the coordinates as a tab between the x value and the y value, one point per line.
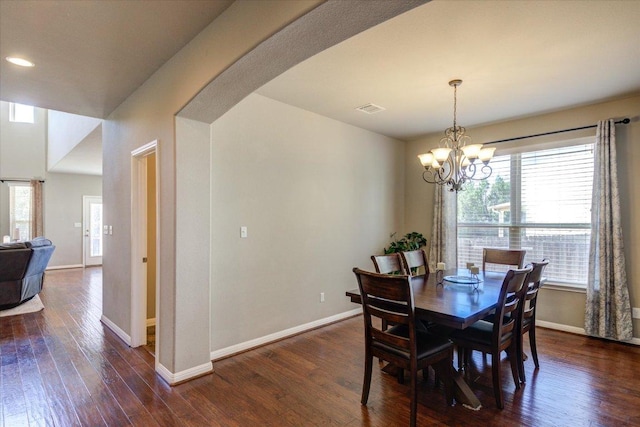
567	287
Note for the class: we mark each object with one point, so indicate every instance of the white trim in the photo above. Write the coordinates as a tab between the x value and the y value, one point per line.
185	375
560	327
62	267
116	330
576	330
247	345
146	149
139	245
151	322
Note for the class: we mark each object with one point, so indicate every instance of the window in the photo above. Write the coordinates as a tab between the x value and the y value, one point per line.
539	201
20	113
20	197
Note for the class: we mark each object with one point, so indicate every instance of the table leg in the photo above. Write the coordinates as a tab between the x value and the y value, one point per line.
463	392
461	389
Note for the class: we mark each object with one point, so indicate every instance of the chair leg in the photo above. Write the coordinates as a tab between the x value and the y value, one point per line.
414	397
532	344
521	356
497	387
366	385
515	359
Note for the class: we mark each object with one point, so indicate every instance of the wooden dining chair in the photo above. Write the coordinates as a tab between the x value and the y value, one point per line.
390	297
496	337
413	260
388	264
528	317
508	257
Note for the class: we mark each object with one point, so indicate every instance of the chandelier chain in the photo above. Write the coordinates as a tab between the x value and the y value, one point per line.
455	107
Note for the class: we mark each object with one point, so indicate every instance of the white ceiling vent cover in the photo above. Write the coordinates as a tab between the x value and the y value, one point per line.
370	108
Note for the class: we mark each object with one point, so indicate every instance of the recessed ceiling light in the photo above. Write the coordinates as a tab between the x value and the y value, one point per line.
20	61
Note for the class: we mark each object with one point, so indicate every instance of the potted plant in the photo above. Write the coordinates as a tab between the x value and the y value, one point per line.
410	242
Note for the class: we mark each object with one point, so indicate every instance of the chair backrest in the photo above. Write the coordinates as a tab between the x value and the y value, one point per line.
510	257
387	264
390	298
531	295
510	302
415	259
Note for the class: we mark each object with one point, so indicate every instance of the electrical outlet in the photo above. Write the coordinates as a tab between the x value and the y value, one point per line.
636	312
321	296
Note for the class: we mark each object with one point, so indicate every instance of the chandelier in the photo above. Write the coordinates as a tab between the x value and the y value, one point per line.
454	162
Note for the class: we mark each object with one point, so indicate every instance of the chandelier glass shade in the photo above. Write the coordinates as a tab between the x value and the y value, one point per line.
456	160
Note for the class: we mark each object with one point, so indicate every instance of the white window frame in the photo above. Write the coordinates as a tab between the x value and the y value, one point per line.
13	223
21	113
515	227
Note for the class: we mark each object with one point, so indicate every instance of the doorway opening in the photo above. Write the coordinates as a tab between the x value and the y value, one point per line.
144	266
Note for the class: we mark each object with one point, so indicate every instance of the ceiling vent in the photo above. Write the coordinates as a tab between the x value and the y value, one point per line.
370	108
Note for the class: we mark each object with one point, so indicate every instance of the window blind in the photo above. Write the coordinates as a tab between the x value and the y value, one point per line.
538	201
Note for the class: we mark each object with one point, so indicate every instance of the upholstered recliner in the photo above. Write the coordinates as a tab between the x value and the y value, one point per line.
22	266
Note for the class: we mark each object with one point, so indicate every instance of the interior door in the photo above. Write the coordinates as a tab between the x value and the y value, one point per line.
93	232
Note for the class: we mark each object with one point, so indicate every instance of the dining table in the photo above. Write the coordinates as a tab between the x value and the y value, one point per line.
456	299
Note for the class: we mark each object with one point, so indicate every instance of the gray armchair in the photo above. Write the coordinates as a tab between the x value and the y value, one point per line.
22	268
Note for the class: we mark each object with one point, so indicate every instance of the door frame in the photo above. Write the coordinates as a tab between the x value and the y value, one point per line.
139	247
85	227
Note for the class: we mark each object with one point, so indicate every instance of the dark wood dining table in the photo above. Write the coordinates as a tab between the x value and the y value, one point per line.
455	305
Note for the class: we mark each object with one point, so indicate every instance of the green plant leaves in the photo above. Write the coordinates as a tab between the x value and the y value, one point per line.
410	242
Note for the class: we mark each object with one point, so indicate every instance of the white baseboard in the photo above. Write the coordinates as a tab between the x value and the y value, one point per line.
64	267
116	330
575	330
237	348
185	375
151	322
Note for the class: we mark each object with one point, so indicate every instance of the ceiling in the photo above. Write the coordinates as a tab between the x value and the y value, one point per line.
515	58
91	55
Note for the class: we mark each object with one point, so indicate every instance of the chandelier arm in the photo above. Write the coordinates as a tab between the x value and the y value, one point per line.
431	178
486	171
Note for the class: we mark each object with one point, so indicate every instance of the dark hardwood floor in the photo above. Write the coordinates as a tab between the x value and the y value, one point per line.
62	367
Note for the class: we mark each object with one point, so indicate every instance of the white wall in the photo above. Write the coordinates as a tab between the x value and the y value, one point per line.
148	115
65	132
318	196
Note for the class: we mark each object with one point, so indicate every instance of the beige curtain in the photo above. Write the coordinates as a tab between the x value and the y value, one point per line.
36	228
444	234
608	311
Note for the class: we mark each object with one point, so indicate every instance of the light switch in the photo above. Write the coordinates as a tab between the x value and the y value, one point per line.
105	229
77	224
110	229
243	232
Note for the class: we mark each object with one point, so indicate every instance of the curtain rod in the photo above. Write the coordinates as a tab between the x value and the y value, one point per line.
623	121
17	180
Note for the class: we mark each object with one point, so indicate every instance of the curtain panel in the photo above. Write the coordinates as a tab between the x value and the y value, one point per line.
608	309
37	222
444	235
